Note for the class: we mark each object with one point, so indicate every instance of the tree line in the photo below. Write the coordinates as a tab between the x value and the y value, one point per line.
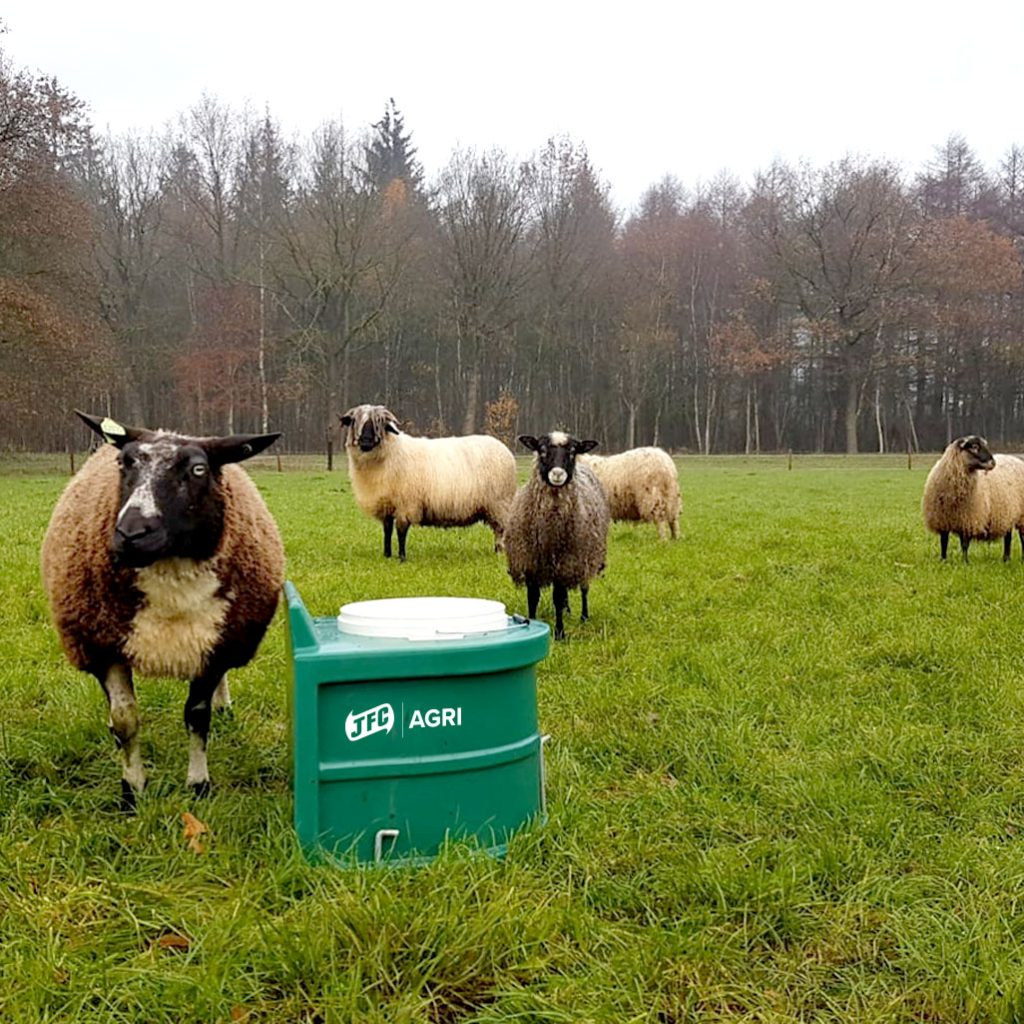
222	276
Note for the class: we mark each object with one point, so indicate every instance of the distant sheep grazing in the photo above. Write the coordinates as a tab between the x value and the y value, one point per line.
642	485
162	558
425	481
557	531
976	495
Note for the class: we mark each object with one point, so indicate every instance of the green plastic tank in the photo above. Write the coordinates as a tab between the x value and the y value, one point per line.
413	720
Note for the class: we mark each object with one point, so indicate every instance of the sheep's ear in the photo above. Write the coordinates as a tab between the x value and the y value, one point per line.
347	419
528	441
110	430
236	448
390	420
582	447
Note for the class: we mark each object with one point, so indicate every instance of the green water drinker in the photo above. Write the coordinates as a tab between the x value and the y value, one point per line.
413	721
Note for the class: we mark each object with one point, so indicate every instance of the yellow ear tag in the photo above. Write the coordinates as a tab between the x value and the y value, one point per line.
111	429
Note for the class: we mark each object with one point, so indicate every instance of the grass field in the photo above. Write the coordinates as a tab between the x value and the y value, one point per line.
785	783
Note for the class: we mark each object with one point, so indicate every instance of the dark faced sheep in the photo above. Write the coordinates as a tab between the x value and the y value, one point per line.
976	495
162	558
557	531
408	481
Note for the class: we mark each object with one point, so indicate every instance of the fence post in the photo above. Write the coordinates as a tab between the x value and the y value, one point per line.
789	461
330	453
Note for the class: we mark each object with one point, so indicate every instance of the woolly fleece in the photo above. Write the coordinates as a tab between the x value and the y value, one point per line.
558	534
642	485
156	619
981	505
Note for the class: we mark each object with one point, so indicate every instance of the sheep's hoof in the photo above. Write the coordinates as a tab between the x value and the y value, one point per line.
559	634
129	799
200	790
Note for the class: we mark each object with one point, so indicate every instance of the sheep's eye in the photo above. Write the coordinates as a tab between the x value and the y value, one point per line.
199	469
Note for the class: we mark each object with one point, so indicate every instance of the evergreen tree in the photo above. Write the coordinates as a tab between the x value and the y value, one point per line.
390	155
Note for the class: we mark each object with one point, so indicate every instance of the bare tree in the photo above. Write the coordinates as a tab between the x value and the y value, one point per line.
842	237
484	207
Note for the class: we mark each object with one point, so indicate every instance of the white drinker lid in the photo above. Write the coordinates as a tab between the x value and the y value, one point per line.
422	618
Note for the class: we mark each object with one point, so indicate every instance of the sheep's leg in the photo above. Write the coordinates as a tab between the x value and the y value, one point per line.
1020	533
123	723
673	528
559	596
1007	545
403	529
222	695
584	610
499	534
965	543
944	543
197	721
532	599
389	525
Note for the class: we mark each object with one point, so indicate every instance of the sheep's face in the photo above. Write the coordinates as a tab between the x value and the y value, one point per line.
171	502
556	455
366	427
975	453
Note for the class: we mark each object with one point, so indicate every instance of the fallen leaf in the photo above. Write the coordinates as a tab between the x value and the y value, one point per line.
194	828
174	941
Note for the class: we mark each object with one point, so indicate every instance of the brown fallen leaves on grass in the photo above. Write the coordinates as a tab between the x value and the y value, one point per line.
194	831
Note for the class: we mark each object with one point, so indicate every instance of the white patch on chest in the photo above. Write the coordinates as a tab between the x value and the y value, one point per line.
179	621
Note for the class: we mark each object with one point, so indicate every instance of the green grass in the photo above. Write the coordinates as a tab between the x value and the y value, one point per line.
785	783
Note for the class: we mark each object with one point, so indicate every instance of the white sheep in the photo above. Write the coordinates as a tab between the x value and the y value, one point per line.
642	485
408	481
557	532
161	557
976	495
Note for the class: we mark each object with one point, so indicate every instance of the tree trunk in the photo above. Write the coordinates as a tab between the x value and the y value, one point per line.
472	399
747	432
757	422
878	419
852	402
262	354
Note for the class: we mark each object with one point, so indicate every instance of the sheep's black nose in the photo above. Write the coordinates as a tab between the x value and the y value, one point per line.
133	532
133	527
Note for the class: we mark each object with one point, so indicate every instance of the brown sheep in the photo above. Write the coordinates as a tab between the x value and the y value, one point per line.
162	558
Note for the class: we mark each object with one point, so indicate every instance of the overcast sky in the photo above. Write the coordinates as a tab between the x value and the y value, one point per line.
681	88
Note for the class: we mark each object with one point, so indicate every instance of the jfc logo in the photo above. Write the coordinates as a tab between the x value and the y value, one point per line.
359	725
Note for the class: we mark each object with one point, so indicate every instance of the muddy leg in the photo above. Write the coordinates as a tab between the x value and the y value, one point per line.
222	695
123	723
